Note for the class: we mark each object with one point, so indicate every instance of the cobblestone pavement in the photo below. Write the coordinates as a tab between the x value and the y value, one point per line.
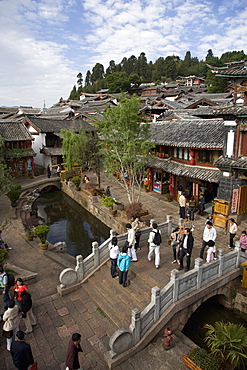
58	317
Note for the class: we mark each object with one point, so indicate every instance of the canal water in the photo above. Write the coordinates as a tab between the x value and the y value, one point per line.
70	223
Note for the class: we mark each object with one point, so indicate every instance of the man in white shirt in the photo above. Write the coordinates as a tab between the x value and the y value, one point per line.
208	234
131	240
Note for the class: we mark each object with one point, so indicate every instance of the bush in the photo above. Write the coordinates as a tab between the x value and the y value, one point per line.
133	209
41	231
4	256
203	359
168	197
76	181
29	223
14	193
107	201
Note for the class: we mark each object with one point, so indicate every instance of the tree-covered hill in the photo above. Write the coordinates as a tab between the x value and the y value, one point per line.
132	71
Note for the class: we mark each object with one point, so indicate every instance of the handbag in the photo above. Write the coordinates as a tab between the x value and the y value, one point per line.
34	366
8	334
138	233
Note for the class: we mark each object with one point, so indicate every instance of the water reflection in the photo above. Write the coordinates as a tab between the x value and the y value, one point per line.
69	222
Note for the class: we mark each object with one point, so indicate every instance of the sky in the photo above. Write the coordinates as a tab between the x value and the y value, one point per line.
45	43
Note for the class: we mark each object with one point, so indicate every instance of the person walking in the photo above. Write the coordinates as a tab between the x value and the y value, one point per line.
48	171
192	208
209	233
186	249
182	204
11	319
72	356
232	230
175	244
21	352
27	312
243	241
4	288
114	252
154	241
136	226
131	242
123	263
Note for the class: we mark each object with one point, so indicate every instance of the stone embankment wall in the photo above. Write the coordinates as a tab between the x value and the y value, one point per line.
93	205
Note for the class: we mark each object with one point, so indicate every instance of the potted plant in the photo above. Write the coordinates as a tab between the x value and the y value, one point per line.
108	202
41	231
168	197
200	359
76	181
29	223
14	194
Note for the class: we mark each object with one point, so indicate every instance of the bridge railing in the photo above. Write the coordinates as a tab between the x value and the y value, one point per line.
71	278
178	287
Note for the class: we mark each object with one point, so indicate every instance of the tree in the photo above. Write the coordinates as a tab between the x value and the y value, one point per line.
125	145
228	342
117	82
88	79
111	69
97	72
80	79
73	94
6	179
215	84
142	66
81	148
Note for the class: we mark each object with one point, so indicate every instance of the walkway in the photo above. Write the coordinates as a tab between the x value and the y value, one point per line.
58	317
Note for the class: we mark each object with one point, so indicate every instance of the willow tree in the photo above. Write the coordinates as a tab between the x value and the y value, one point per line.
81	148
125	145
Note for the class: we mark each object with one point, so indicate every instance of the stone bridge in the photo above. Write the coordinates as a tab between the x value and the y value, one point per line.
41	183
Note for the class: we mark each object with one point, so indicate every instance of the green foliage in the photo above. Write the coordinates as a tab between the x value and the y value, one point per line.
41	231
6	179
74	94
107	201
227	342
233	292
4	256
133	209
203	359
215	84
14	193
76	181
125	144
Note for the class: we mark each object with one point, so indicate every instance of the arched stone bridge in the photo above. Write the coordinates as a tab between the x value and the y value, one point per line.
41	183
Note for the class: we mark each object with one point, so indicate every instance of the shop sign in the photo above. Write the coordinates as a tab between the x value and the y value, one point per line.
234	200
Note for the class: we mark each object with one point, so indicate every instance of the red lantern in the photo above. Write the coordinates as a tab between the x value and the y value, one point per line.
192	153
170	187
6	145
160	155
192	161
30	143
21	143
170	180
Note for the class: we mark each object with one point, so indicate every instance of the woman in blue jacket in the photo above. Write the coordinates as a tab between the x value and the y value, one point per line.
123	263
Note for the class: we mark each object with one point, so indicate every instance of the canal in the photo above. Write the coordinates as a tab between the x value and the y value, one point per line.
69	222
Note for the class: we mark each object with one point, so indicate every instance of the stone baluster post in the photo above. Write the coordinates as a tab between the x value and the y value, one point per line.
175	280
95	247
151	222
237	249
169	221
135	326
198	266
155	299
112	233
79	268
221	261
180	221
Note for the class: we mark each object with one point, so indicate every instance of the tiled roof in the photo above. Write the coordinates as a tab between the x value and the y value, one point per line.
238	69
14	131
234	163
55	125
180	169
52	151
186	133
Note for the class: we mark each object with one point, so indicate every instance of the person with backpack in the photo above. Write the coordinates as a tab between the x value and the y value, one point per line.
154	241
4	287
